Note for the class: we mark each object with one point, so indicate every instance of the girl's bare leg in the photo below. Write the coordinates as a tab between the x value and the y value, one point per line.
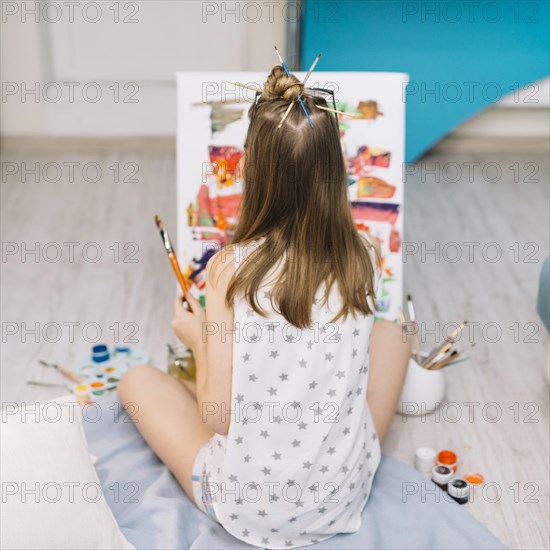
389	357
191	386
167	416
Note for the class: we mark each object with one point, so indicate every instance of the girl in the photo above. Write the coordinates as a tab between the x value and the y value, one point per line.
280	439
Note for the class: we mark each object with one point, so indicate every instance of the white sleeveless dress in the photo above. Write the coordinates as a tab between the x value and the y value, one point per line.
298	462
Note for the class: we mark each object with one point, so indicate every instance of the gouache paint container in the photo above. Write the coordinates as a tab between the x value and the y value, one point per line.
100	353
448	458
82	393
424	459
441	475
459	490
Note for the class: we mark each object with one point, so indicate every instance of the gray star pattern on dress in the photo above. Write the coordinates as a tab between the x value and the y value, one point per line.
303	430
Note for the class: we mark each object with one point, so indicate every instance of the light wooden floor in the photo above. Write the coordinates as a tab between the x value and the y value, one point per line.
512	453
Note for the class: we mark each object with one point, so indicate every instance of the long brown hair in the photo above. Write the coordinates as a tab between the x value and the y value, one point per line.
295	195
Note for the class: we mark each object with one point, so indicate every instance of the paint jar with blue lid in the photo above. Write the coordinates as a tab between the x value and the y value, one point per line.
100	353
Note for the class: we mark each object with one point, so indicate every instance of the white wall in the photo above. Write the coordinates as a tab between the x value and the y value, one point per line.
60	49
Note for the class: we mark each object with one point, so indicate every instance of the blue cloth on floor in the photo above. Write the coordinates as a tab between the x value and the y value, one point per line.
405	509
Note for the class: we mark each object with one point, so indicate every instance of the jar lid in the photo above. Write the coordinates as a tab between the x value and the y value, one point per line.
100	353
442	474
425	453
99	348
474	478
458	488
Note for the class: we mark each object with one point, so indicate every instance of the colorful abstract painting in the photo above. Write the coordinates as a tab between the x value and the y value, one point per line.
212	125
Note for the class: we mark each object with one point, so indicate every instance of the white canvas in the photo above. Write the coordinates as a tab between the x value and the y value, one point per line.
382	130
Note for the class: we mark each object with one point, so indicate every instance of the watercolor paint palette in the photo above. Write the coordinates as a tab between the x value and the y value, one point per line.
103	369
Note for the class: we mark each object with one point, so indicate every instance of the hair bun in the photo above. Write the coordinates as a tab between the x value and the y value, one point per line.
280	86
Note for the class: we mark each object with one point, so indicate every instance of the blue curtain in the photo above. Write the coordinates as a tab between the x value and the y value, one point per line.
461	56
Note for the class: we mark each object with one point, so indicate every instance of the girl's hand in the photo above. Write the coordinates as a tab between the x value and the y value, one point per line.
188	325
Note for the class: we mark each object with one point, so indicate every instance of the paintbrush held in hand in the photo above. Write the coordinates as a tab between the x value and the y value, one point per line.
172	257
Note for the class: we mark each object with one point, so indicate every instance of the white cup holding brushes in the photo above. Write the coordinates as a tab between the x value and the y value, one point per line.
424	386
423	390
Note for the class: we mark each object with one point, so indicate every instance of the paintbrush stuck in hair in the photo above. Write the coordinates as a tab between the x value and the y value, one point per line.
283	64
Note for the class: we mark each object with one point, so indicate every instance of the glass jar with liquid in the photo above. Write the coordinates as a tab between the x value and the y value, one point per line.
181	362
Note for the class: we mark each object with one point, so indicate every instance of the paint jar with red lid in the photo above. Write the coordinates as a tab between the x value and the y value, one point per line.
448	458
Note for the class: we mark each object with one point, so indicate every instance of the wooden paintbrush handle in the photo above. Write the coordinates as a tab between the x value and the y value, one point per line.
179	276
70	375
